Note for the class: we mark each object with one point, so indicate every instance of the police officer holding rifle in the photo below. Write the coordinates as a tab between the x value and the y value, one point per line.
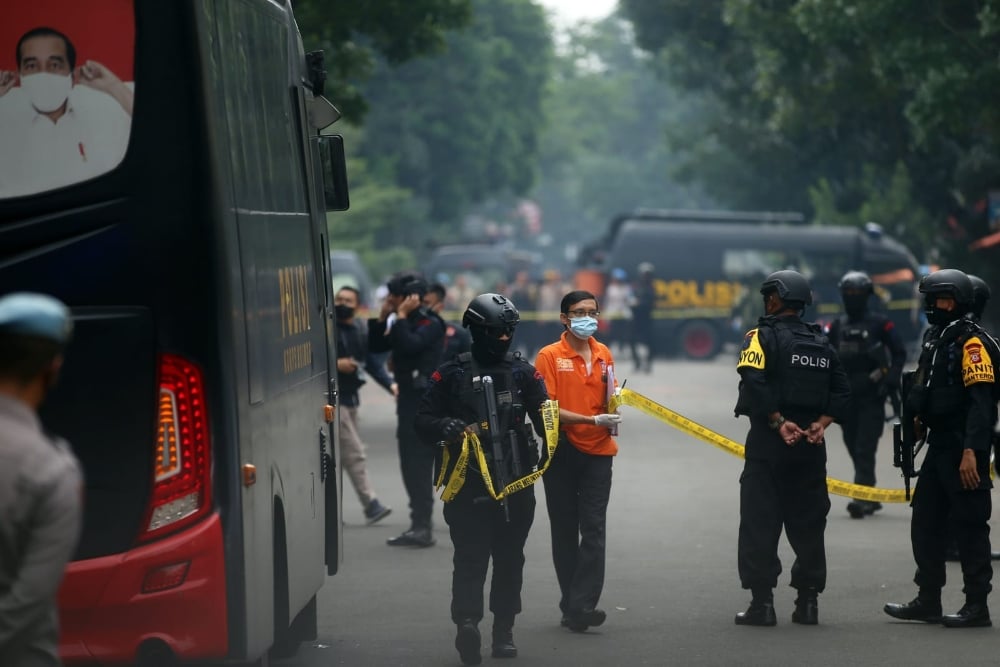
487	392
951	403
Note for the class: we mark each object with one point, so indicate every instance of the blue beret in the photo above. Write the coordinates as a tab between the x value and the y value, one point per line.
32	314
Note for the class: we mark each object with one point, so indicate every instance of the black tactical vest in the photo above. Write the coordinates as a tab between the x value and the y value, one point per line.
939	393
859	350
805	363
510	411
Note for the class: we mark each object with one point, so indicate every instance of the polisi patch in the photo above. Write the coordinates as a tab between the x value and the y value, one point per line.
810	361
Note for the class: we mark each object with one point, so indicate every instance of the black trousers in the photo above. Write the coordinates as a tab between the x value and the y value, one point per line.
577	490
940	505
480	531
862	429
417	461
788	492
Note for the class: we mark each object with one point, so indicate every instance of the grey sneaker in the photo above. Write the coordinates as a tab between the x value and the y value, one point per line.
376	511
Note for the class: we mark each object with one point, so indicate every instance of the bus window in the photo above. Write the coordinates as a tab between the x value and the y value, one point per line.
65	92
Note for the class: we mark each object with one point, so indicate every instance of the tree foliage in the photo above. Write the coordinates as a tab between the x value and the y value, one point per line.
352	34
837	105
464	125
603	151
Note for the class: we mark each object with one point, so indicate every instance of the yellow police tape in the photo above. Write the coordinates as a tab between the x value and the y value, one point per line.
472	447
654	409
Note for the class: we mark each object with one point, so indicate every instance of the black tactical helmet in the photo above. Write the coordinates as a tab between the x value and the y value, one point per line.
491	311
791	286
856	280
407	282
949	282
980	294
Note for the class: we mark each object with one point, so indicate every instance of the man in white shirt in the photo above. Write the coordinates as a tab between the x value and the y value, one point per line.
54	133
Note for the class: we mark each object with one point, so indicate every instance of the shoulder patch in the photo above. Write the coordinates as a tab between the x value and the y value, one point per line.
751	354
977	367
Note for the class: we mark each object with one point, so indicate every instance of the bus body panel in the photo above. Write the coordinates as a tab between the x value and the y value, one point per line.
105	616
207	243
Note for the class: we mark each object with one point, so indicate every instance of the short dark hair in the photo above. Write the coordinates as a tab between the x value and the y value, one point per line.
44	31
438	289
351	288
23	358
576	296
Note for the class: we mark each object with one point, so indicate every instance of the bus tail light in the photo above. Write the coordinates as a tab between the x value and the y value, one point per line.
182	462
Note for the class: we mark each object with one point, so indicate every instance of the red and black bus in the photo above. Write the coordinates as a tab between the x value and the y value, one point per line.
174	192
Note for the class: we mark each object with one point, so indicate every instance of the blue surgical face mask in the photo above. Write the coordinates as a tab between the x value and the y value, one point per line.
583	327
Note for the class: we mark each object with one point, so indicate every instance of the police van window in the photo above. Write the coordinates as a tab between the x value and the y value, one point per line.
66	88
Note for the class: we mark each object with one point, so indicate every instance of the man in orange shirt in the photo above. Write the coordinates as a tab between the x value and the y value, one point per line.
577	370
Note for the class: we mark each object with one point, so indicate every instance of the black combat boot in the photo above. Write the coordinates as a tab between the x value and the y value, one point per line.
503	637
973	614
467	642
760	611
925	607
806	607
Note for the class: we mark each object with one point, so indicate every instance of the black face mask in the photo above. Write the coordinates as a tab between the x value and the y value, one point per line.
487	348
343	312
855	305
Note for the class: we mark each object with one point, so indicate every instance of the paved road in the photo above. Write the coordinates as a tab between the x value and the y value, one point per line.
672	587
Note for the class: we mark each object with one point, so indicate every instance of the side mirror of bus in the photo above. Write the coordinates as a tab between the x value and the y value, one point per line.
334	172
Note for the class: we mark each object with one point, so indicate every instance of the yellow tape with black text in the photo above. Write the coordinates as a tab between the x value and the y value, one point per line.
654	409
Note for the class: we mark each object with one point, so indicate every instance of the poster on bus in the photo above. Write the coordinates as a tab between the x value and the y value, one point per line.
66	92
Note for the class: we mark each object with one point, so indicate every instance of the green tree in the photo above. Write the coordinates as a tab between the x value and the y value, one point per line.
464	125
842	95
352	34
602	151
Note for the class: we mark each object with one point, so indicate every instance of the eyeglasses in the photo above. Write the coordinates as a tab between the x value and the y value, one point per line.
583	313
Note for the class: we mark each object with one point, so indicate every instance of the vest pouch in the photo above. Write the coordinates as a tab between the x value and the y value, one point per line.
944	401
916	399
806	381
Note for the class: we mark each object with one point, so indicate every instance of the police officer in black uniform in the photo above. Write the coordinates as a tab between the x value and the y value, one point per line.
792	387
953	403
873	356
482	528
415	337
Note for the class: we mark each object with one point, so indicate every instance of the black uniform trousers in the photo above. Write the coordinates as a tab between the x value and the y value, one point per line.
417	460
862	428
577	491
788	490
480	531
940	504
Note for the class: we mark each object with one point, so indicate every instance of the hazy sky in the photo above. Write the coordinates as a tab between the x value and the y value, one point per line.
569	11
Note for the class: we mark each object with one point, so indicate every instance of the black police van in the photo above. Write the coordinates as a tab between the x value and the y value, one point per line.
708	267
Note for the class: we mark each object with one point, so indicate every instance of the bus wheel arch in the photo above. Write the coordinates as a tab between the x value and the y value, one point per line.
699	340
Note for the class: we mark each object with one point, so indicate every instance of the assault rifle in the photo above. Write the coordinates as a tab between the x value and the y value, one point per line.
496	440
905	445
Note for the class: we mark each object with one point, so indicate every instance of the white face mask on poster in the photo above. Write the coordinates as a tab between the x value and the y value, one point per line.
47	92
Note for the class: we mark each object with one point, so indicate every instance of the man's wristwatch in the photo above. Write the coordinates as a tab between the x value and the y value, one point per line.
776	424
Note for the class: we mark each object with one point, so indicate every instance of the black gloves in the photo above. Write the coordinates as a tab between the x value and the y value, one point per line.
453	429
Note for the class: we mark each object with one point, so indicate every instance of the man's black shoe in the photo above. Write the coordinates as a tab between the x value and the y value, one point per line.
917	609
467	642
503	644
415	537
871	507
806	609
758	613
971	615
586	618
856	509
